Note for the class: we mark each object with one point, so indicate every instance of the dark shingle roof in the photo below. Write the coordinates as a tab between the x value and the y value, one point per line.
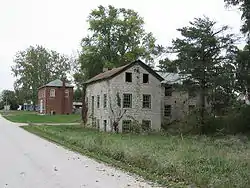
112	73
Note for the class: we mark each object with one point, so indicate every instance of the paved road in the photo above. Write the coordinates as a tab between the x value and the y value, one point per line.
27	161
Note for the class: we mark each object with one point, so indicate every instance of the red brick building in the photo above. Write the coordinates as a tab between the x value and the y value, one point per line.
55	97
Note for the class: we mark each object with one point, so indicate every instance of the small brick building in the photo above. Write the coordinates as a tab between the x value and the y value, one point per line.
55	97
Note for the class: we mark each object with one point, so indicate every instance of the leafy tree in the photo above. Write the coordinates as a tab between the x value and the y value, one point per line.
117	36
9	97
244	6
243	70
36	66
78	95
205	53
166	65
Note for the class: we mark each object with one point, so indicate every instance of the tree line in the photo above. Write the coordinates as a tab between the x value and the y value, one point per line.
205	51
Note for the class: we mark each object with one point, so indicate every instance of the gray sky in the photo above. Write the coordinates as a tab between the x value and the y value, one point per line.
61	24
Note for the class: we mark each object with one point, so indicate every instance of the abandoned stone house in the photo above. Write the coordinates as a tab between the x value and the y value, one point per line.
134	93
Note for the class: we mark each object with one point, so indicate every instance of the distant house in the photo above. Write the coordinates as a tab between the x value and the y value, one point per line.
55	97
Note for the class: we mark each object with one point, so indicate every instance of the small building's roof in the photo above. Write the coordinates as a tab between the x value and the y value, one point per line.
56	83
115	71
173	78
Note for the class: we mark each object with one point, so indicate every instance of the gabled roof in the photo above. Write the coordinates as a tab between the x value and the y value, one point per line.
56	83
114	72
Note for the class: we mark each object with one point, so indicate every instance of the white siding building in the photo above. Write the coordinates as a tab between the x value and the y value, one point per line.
127	94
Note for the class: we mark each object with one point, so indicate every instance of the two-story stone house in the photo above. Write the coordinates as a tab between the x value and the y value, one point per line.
55	97
129	93
135	92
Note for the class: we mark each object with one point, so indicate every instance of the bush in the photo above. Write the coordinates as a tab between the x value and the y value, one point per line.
236	121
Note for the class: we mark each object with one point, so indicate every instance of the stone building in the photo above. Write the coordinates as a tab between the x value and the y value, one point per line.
135	93
125	94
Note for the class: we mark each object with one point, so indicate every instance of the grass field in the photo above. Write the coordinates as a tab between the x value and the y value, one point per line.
32	117
173	161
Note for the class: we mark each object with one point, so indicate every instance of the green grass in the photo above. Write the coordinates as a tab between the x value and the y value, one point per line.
32	117
171	160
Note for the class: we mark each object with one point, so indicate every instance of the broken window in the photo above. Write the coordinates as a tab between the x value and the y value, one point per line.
146	103
145	78
126	126
98	101
168	91
167	110
146	125
105	101
128	76
127	100
52	93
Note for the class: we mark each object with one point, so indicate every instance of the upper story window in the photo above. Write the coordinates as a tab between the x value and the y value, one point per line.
66	93
52	93
105	101
42	93
145	78
98	101
168	91
146	102
128	77
127	100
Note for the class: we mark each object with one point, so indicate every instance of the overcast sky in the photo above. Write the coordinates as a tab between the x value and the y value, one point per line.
61	24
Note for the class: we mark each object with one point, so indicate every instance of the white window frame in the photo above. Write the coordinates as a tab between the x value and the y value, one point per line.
130	100
52	93
143	101
67	93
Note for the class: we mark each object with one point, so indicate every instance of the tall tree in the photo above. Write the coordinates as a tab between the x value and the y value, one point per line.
244	6
36	66
9	97
243	70
204	53
117	36
167	65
